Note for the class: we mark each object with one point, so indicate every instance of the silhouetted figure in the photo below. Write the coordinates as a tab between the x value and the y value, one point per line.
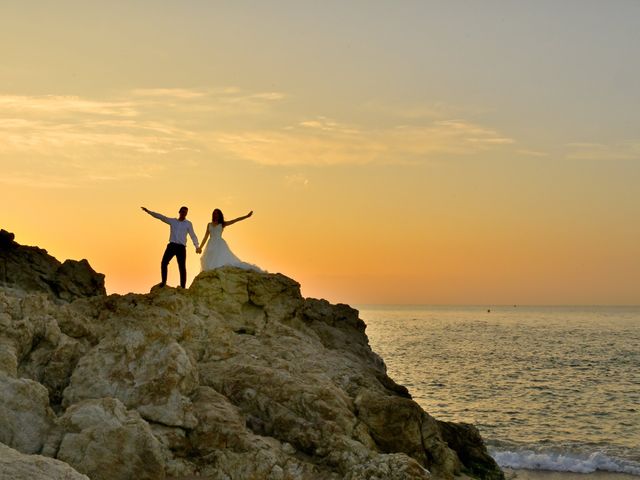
217	252
177	246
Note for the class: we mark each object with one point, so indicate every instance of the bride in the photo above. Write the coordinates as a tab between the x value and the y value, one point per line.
217	253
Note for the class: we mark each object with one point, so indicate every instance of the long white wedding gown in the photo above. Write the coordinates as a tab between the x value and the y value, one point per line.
218	254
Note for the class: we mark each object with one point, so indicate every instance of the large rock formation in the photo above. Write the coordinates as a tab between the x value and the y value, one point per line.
237	377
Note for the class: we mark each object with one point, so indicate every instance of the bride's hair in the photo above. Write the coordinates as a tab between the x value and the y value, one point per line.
220	216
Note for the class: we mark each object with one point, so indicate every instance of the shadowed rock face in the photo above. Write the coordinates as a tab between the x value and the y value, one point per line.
33	269
237	377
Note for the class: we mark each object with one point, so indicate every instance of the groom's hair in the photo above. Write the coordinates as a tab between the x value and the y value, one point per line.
183	207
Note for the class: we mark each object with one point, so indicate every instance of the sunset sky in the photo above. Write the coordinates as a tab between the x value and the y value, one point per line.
426	152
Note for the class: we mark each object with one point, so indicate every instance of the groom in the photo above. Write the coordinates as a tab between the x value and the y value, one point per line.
177	243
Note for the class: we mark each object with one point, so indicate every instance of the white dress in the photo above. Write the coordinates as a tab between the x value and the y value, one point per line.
218	254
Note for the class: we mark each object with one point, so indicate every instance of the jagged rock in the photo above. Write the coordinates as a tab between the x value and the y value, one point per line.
152	375
399	425
76	279
389	467
6	238
18	466
33	269
222	433
465	439
237	377
266	461
175	449
32	344
25	415
103	440
220	424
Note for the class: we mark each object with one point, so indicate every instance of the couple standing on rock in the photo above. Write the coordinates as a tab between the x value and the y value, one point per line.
216	253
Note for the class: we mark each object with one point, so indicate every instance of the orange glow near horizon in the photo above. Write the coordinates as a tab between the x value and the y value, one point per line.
451	262
387	157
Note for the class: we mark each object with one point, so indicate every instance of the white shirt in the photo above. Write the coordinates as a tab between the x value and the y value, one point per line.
179	229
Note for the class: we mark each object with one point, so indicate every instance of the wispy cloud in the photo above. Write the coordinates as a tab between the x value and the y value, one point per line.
322	141
49	138
432	111
59	105
144	120
76	172
142	131
297	181
532	153
178	93
136	133
33	180
324	124
229	100
601	151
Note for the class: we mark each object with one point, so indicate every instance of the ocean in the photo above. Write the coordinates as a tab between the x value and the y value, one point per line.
550	388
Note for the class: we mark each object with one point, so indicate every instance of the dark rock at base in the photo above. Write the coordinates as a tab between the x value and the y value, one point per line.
33	269
465	439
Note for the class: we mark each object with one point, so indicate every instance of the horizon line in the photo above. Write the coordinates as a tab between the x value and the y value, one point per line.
510	305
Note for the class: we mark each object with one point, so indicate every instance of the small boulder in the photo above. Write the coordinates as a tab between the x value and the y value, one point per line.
25	415
18	466
104	440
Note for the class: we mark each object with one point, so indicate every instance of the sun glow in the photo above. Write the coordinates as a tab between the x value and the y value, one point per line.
387	158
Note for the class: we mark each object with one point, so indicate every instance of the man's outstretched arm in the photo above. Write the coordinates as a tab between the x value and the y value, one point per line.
156	215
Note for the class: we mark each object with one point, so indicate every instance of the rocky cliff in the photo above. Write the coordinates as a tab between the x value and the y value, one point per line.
236	377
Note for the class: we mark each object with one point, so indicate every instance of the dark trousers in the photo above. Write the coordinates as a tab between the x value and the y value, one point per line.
180	252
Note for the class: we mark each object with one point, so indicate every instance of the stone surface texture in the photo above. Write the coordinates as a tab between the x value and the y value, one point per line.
236	377
15	465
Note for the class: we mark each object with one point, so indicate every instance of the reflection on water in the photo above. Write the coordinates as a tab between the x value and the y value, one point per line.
555	378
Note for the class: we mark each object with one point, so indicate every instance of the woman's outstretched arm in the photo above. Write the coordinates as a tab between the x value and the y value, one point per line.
231	222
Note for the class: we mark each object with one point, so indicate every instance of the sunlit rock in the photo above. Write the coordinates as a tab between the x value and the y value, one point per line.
237	377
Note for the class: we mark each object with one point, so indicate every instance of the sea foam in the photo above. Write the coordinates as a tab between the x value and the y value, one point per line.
565	462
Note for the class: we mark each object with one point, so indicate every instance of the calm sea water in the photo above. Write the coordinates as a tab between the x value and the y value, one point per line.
550	388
